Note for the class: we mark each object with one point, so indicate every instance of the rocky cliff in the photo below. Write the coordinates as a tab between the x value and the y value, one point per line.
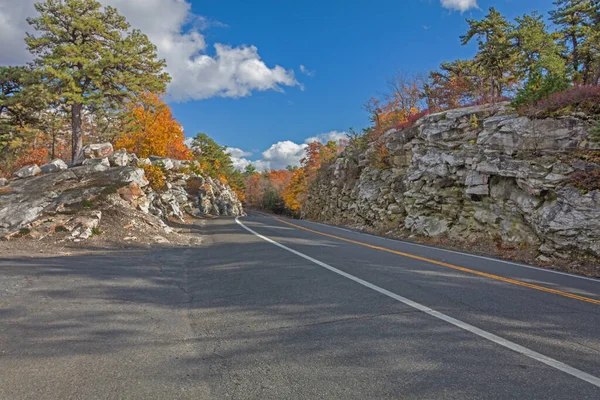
56	196
471	174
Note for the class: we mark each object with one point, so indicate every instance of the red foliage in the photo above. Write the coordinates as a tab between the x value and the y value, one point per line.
411	120
586	180
37	156
579	98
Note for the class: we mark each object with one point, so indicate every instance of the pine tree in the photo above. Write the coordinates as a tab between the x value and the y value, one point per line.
579	22
495	56
539	60
88	55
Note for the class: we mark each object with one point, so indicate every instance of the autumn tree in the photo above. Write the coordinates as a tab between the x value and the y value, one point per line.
295	192
453	85
88	55
150	129
403	99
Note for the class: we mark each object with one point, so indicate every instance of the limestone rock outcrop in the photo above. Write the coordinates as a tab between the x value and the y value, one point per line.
472	173
54	189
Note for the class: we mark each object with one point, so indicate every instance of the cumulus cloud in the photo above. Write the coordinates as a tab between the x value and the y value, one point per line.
238	157
335	136
229	72
459	5
280	155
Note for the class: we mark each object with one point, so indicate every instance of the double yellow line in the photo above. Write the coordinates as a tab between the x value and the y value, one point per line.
447	265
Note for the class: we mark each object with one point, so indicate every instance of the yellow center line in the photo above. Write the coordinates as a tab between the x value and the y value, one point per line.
447	265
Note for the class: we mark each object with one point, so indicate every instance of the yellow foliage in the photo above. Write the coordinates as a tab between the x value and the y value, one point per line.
294	193
155	176
151	130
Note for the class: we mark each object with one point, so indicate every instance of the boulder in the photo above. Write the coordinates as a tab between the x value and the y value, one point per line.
135	196
120	158
3	181
97	161
99	150
54	166
28	172
165	163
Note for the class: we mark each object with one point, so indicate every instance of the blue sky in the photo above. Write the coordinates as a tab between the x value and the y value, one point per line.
352	47
236	64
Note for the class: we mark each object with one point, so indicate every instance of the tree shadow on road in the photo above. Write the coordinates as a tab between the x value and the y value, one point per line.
245	317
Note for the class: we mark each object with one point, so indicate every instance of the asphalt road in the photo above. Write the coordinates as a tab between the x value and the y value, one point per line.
268	310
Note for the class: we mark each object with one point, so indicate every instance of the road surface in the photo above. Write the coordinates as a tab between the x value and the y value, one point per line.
280	309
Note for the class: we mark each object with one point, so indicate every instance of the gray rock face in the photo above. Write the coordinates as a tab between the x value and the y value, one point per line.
28	171
478	172
54	166
32	195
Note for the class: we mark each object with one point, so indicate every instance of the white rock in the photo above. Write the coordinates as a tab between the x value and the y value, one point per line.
97	161
165	163
119	158
54	166
28	172
99	150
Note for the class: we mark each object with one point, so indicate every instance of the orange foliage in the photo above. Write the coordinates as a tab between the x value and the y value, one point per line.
31	156
279	179
254	193
268	189
151	130
294	194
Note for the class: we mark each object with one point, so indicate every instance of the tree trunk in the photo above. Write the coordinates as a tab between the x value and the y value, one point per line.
53	145
77	141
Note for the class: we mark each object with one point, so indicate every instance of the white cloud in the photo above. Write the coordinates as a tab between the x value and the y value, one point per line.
237	157
231	72
280	155
306	71
335	136
460	5
235	152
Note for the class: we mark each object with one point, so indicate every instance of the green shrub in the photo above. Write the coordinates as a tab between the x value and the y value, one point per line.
539	87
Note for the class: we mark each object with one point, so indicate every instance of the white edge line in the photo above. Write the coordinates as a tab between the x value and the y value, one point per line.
453	321
458	252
